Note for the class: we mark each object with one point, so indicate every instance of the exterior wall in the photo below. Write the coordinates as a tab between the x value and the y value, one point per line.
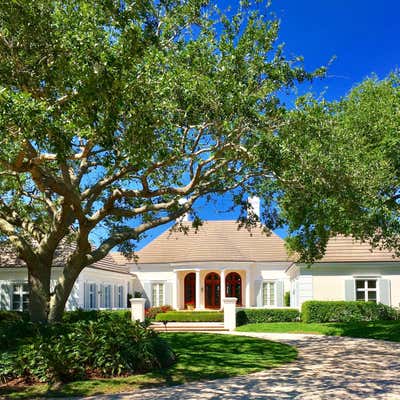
329	280
9	276
173	276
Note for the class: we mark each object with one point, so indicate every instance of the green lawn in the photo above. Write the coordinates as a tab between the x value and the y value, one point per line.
200	356
384	330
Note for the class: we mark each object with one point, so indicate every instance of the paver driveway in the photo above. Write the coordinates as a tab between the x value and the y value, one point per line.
327	368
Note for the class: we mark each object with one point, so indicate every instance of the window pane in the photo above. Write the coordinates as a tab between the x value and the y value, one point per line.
372	295
360	295
272	294
265	294
371	284
360	284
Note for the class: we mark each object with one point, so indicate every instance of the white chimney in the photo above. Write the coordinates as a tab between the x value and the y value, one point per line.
184	217
255	205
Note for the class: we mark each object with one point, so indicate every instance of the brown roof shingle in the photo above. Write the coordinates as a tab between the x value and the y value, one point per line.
214	241
8	259
346	249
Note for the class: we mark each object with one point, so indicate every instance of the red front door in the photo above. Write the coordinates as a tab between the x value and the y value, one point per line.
190	289
212	285
233	287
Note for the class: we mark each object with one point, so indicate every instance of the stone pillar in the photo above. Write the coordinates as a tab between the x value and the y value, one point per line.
223	287
198	290
137	309
229	304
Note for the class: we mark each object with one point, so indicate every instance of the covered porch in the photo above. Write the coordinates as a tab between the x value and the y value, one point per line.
204	288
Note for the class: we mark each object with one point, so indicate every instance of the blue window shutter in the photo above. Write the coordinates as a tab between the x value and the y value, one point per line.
168	294
85	295
349	290
5	296
384	291
279	293
258	291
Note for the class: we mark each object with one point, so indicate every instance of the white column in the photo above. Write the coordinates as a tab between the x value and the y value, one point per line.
175	291
229	304
223	287
248	281
198	291
137	309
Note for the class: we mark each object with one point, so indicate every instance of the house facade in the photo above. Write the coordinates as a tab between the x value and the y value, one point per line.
104	285
197	269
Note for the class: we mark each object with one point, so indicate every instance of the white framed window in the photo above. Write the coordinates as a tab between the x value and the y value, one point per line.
92	295
107	296
20	296
366	290
157	294
120	296
269	293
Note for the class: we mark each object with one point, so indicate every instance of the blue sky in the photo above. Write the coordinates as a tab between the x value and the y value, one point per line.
362	35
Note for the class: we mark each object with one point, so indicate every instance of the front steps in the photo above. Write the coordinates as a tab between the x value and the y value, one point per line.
189	327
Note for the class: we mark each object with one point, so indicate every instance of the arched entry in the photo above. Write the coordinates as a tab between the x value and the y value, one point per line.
190	290
233	286
212	284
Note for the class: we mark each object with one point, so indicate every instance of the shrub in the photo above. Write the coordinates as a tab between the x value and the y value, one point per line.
94	315
13	316
345	311
191	316
67	352
260	315
152	312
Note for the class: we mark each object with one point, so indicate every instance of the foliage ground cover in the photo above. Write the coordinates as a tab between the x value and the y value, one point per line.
107	347
191	316
383	330
199	356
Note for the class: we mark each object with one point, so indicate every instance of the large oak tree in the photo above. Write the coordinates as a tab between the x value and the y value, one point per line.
113	113
337	167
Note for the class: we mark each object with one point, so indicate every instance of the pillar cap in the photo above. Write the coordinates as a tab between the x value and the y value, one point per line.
139	300
229	300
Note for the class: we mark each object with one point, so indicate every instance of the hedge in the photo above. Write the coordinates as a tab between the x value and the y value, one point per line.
259	315
191	316
345	311
94	315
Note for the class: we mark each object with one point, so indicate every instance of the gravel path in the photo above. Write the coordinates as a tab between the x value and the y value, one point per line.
327	368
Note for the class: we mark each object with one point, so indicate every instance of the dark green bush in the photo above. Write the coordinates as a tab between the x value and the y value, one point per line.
68	352
94	315
345	311
191	316
260	315
13	316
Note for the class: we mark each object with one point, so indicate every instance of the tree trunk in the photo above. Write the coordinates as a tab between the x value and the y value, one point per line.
62	291
39	291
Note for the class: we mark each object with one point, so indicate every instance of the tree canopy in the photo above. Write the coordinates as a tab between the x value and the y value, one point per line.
120	115
338	168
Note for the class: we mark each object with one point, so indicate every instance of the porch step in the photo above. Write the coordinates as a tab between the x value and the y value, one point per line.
188	327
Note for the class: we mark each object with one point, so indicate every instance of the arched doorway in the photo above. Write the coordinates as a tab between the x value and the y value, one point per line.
212	283
233	286
190	290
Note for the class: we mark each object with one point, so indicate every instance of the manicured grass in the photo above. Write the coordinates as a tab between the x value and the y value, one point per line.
200	356
384	330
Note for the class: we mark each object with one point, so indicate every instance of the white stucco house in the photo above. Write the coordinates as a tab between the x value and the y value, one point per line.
104	285
195	270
